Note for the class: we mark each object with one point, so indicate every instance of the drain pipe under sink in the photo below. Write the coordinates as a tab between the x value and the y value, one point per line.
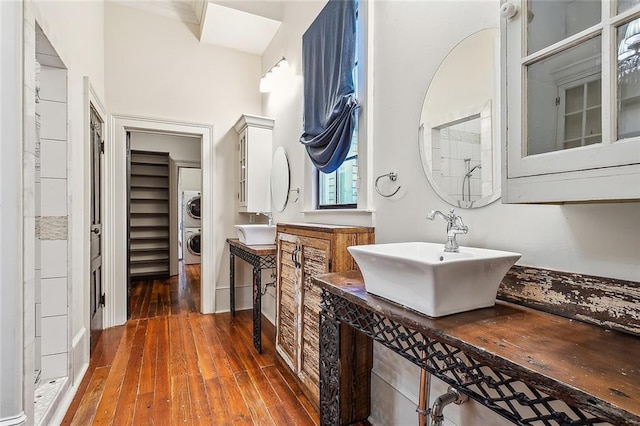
423	398
451	396
435	412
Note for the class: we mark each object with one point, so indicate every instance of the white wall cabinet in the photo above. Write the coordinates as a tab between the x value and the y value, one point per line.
571	108
255	141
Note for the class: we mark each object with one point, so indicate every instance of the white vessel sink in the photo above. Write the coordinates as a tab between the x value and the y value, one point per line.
421	276
254	235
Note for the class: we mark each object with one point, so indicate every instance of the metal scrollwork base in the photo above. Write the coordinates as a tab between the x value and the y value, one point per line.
513	399
329	369
259	263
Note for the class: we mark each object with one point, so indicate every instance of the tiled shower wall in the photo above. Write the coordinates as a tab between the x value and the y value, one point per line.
51	224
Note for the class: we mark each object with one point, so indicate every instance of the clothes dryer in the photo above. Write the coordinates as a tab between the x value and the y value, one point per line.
191	209
191	244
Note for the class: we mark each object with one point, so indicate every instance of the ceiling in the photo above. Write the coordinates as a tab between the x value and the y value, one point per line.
244	25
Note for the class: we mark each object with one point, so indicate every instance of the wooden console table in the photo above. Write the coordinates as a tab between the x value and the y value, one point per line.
526	365
260	257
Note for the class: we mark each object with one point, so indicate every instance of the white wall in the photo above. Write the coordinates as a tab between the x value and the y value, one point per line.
190	179
79	42
180	148
155	67
411	39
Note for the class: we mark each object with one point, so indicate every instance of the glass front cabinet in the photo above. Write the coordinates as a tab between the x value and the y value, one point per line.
254	163
571	108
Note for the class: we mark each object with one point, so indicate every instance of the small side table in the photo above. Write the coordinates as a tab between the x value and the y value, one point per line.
260	257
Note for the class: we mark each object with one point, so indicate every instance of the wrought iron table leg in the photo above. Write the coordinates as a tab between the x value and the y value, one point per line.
232	283
329	370
257	309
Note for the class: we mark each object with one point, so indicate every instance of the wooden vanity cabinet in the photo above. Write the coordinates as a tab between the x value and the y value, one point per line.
304	251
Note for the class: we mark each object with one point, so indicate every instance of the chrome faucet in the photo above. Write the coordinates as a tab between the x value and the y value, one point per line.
268	215
455	226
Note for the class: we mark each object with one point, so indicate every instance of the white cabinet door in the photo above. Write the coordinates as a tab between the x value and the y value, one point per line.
255	151
572	107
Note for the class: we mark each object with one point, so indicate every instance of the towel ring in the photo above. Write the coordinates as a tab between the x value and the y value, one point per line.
393	176
297	191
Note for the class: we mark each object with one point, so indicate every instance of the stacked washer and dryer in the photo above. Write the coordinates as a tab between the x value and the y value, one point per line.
191	227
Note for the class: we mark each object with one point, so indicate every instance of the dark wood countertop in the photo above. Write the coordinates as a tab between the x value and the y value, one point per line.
258	250
588	366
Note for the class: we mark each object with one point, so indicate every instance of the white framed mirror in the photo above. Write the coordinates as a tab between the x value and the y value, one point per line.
280	179
458	134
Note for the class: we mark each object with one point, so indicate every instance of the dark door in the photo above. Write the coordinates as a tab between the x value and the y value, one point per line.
95	280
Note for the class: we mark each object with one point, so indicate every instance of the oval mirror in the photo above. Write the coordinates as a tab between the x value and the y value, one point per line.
280	179
458	135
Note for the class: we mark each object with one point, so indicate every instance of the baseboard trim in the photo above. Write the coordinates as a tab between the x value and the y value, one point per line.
66	400
79	354
20	419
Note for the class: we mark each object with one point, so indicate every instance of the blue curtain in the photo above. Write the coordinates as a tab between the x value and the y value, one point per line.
330	105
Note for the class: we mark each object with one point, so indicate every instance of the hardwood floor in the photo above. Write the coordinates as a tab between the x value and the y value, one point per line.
170	365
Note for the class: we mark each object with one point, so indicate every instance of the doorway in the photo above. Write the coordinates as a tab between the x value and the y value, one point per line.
116	216
147	216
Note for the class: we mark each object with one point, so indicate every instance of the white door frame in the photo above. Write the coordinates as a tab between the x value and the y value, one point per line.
116	216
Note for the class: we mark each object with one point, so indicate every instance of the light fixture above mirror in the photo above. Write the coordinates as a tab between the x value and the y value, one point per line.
266	82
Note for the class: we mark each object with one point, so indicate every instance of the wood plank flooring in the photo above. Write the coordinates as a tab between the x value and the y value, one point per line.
170	365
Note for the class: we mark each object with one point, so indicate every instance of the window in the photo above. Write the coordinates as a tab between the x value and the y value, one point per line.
339	189
579	109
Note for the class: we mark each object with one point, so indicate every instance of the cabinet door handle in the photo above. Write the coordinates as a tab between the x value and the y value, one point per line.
295	257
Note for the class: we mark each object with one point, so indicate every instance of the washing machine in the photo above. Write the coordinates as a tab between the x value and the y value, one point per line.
191	209
191	244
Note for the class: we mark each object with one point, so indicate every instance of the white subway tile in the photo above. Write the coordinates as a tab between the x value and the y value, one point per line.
38	258
38	350
28	184
53	197
54	335
457	168
54	259
38	196
446	167
445	149
30	135
54	120
54	296
475	152
29	249
53	84
53	156
464	150
54	366
38	320
29	62
37	287
436	159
